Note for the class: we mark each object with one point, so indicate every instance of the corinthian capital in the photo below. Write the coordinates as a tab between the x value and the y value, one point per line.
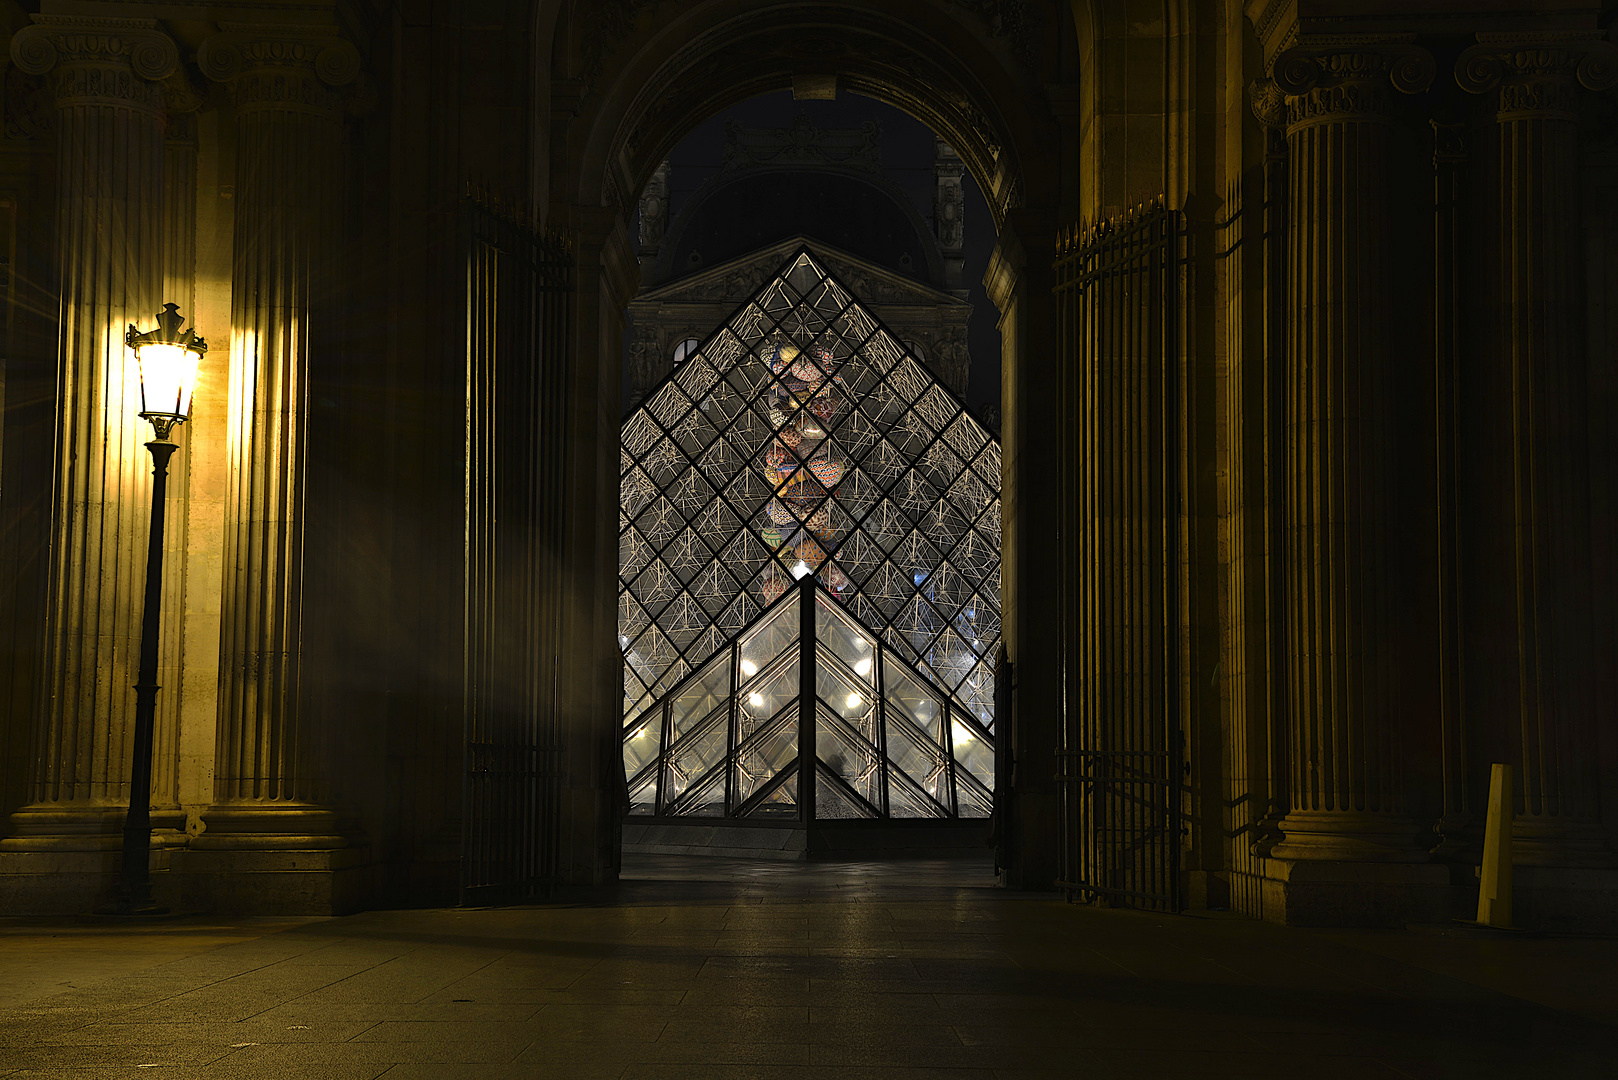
281	67
98	60
1350	76
1538	74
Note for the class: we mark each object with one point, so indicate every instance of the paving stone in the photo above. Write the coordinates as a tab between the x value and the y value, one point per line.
785	975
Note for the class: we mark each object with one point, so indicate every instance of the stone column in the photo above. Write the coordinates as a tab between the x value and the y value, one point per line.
1347	782
1540	325
590	680
106	76
1019	280
272	787
1460	840
179	287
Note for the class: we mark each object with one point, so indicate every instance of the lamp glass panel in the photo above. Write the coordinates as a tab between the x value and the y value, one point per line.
168	375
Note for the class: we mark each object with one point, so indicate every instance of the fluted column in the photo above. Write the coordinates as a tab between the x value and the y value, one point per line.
271	780
106	76
1347	784
179	287
1540	325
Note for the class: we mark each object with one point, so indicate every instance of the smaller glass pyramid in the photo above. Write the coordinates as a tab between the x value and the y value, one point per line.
730	741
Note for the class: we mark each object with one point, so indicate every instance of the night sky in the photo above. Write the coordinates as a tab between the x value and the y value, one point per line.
907	158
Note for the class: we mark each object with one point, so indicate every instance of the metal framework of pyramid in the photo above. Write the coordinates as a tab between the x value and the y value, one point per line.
809	556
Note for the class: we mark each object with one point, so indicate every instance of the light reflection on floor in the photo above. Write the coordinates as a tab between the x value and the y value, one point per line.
975	872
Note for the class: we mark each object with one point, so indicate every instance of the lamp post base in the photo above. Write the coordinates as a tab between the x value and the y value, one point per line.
131	904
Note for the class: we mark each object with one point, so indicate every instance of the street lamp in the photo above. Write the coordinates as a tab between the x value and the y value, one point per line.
167	359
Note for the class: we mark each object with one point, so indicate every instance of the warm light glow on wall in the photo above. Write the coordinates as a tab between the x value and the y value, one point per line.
243	378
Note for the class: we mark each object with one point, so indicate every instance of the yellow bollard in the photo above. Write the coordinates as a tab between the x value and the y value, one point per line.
1494	891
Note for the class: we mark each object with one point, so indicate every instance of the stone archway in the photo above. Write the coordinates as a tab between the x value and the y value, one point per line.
633	87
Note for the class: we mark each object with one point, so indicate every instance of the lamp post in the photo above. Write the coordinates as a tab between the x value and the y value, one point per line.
167	359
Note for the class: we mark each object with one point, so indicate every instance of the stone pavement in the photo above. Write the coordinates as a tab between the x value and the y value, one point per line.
793	972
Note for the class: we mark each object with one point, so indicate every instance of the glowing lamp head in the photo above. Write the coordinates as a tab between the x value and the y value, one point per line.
168	359
863	667
801	569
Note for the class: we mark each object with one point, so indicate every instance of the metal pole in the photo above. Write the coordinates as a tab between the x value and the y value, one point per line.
135	880
806	699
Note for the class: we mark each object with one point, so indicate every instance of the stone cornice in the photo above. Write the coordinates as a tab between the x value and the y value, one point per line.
282	67
98	60
1280	24
1538	74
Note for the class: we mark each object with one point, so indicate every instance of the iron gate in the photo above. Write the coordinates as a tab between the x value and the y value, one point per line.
1119	766
519	286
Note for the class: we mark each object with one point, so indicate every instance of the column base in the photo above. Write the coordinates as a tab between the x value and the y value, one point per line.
1336	836
276	881
1322	892
1562	898
1460	839
84	828
1542	840
45	882
275	860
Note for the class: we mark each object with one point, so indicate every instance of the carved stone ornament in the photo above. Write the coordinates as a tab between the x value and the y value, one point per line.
1538	74
1269	104
1349	77
97	60
803	145
949	202
287	68
1449	143
1012	20
602	25
654	209
29	114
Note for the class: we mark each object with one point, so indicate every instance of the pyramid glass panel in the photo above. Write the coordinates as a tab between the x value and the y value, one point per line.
809	573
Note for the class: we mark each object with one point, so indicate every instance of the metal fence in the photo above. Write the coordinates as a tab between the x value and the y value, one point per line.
1120	762
519	286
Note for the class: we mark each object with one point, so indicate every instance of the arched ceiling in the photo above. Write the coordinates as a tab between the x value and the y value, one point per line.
940	62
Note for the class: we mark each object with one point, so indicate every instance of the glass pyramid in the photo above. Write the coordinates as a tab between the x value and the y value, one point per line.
802	443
